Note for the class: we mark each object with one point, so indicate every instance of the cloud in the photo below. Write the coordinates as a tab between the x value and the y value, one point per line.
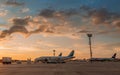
95	16
101	20
52	13
24	10
85	31
41	24
13	3
3	12
20	21
47	13
117	23
43	28
21	29
13	29
18	26
4	33
99	16
23	25
67	22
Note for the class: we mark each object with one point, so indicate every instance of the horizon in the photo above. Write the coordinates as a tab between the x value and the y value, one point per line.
30	29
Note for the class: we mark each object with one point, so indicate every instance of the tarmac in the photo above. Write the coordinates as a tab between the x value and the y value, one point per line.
71	68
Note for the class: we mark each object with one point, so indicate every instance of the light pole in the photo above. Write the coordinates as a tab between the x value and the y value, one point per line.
89	36
53	52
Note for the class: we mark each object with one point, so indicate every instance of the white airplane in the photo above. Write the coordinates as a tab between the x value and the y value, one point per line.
113	58
55	59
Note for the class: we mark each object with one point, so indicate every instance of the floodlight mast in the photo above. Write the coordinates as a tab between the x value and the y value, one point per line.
89	36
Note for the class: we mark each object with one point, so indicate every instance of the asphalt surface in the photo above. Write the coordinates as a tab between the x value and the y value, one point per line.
71	68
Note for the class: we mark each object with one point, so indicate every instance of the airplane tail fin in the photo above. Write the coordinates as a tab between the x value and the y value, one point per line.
71	54
114	56
60	54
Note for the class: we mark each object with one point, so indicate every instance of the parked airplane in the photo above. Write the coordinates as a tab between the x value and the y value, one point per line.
55	59
113	58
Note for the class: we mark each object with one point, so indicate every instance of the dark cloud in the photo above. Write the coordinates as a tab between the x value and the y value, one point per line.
21	29
21	21
84	31
117	23
4	33
69	12
99	16
12	30
48	13
52	13
107	21
18	26
13	3
94	16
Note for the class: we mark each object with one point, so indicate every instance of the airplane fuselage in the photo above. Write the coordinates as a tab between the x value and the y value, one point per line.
53	59
102	59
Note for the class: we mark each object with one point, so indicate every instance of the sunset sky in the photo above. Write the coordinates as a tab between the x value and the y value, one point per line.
33	28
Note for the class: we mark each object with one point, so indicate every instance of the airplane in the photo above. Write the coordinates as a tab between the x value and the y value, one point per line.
113	58
55	59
